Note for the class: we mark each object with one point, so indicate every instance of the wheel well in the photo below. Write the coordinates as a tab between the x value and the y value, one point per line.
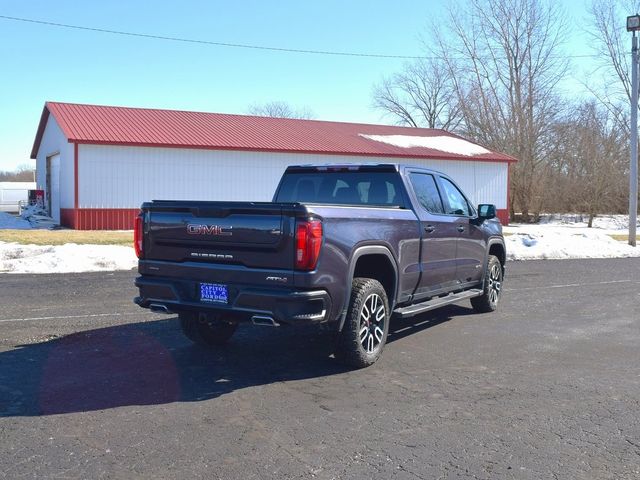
378	267
497	250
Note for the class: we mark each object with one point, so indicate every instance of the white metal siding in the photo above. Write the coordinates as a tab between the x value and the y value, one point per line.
124	177
54	141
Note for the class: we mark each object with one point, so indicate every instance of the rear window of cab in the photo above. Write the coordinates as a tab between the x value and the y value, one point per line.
342	188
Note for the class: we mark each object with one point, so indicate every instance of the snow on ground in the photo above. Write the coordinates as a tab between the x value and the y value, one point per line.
556	237
610	223
567	236
16	223
16	258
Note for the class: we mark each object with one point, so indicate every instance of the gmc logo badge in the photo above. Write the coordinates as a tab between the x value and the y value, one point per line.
196	229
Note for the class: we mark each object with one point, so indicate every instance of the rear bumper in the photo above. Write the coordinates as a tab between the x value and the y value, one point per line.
285	306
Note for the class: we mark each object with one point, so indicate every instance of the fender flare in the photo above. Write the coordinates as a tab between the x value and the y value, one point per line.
360	252
495	241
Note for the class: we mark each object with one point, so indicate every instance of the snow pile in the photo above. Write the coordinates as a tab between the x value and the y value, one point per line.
443	143
31	216
16	258
549	241
15	223
30	210
37	217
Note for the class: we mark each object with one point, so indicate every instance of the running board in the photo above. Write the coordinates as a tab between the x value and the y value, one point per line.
437	302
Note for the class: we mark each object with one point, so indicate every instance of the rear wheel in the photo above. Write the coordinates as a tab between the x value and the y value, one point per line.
488	301
206	330
364	334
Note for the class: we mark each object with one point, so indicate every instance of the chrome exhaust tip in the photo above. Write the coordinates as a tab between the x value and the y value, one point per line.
264	321
159	308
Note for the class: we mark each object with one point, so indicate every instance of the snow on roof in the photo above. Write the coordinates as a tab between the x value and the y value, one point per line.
443	143
106	125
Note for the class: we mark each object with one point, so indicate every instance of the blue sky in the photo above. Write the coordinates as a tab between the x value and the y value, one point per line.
40	63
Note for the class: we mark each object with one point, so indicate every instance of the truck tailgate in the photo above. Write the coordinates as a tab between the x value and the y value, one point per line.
249	234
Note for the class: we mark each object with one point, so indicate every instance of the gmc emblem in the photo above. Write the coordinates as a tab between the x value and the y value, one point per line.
196	229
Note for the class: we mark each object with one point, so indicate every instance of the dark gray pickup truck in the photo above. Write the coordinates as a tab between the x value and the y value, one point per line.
348	246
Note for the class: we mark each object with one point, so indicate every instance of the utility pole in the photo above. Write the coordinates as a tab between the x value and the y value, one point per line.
633	25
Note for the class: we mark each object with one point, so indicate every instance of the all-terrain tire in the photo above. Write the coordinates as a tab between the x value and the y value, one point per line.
365	331
204	331
488	301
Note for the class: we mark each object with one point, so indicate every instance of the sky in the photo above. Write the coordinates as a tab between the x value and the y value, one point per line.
40	63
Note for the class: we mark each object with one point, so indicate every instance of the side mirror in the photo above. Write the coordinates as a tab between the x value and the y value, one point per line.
486	211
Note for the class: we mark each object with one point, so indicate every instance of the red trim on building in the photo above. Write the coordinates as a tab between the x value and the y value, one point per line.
44	117
508	194
75	182
102	218
503	215
68	217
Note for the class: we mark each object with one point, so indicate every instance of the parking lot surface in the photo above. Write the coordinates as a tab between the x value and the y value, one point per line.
91	386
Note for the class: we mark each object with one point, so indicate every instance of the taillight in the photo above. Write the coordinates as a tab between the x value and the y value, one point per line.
138	230
308	242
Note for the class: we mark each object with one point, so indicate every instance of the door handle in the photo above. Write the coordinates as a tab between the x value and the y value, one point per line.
429	229
460	228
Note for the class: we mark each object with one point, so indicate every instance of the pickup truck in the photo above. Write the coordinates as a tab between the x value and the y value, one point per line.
347	246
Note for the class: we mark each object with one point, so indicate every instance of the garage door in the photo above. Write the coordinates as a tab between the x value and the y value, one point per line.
54	186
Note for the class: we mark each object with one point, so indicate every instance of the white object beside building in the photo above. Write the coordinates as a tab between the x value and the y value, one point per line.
13	193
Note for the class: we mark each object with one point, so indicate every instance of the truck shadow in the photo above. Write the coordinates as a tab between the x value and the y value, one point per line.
150	363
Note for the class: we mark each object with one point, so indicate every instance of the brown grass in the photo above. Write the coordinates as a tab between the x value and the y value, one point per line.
621	237
60	237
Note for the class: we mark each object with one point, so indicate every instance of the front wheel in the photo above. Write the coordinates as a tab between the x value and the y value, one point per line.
365	331
488	301
206	331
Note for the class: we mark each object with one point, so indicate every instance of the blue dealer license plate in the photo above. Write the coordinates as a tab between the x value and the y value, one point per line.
214	292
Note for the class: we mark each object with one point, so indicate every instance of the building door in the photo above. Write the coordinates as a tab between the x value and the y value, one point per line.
53	186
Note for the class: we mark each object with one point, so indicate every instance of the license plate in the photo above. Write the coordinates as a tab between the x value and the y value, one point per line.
214	292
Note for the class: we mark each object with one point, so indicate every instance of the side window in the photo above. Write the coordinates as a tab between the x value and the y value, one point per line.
425	187
457	204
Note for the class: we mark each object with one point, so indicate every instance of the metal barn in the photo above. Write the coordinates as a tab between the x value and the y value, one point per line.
97	164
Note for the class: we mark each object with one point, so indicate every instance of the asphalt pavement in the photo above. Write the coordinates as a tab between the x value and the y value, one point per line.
92	386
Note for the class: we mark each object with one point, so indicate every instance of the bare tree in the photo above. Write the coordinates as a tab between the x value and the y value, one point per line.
590	162
611	43
422	95
280	109
24	173
496	82
506	64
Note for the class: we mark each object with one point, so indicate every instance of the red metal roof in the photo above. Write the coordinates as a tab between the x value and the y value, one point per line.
107	125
